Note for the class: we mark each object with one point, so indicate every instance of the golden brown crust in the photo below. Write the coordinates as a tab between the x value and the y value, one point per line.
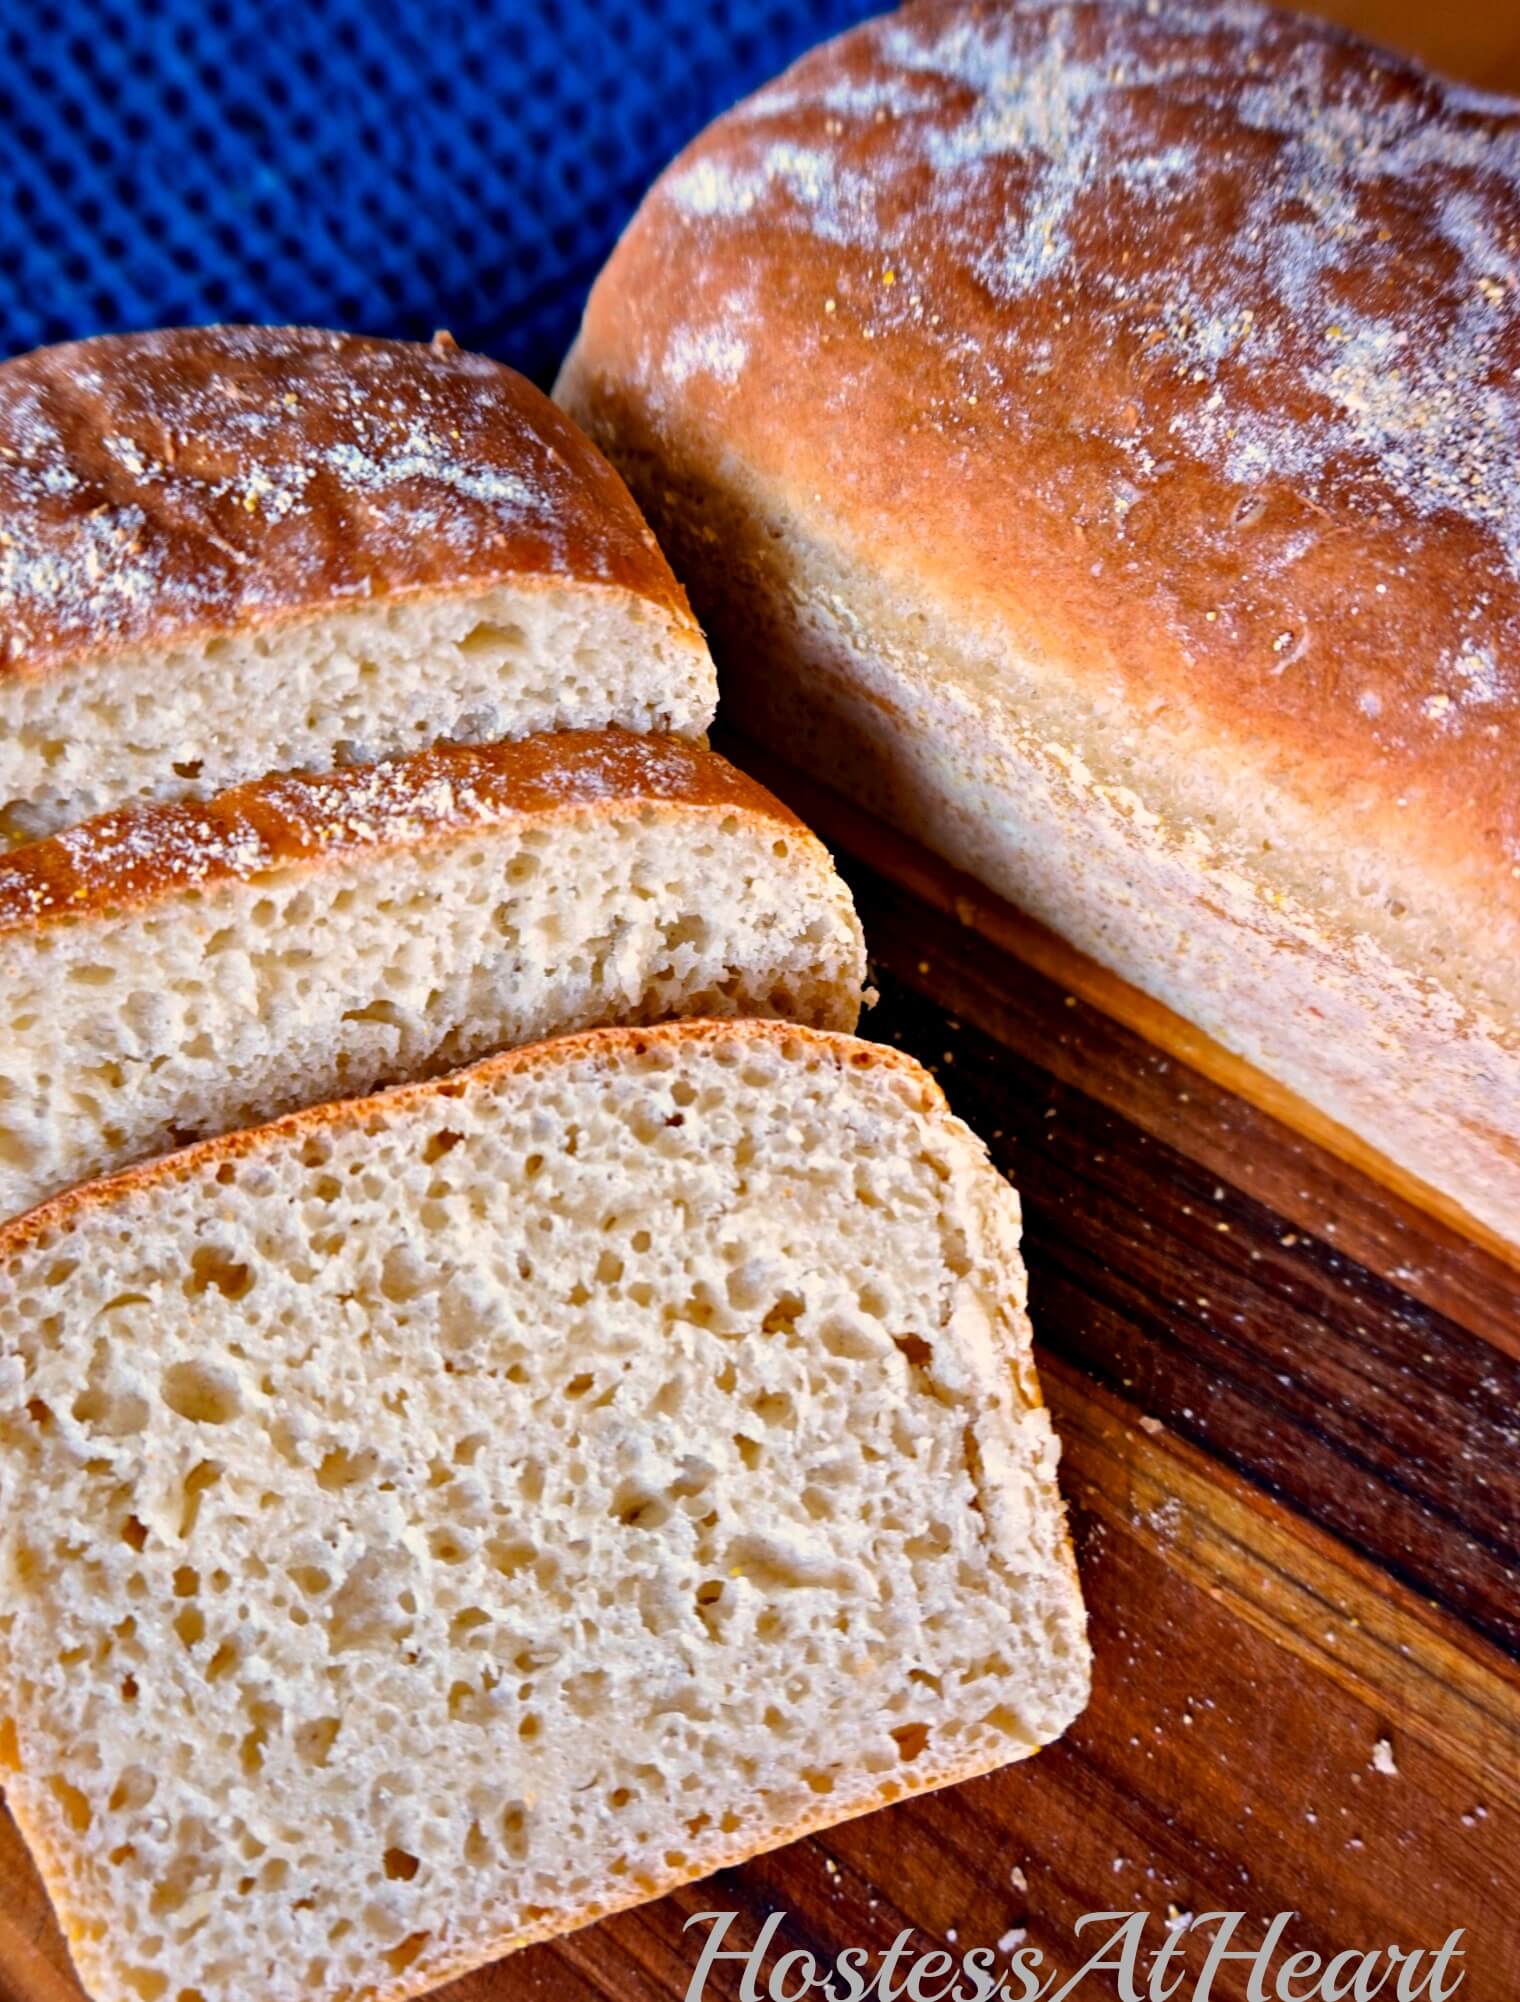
1178	344
840	1049
719	1856
161	487
128	858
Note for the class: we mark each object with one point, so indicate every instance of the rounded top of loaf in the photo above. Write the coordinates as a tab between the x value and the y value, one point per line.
160	487
1176	345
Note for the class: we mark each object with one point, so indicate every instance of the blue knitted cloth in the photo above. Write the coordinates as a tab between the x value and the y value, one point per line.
391	167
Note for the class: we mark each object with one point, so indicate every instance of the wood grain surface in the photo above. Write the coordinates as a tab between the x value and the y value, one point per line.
1288	1395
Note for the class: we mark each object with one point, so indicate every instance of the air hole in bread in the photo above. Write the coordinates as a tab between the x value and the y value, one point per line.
23	820
265	1719
314	1739
117	1412
488	636
910	1739
399	1958
223	1661
636	1508
75	1804
915	1350
202	1393
750	1451
134	1533
211	1267
190	1624
203	1475
774	1408
403	1275
382	1011
781	1317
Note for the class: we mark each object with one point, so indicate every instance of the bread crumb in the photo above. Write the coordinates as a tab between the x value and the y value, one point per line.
1383	1760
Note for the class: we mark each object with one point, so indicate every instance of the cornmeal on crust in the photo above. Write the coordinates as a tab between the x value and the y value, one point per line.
170	972
1089	434
429	1523
232	550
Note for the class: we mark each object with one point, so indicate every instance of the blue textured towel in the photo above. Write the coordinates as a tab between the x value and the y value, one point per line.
392	167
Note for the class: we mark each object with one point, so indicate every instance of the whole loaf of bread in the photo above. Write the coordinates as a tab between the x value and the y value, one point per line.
1090	436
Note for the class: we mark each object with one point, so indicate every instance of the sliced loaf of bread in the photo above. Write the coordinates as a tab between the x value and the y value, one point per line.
234	550
169	972
429	1523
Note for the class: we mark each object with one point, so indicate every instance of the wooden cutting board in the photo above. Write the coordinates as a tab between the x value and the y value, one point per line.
1288	1397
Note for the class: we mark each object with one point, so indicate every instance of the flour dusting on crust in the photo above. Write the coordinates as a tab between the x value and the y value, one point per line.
451	789
1219	238
154	486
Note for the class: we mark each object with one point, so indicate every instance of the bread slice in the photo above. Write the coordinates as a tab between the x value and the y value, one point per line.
233	550
430	1523
171	972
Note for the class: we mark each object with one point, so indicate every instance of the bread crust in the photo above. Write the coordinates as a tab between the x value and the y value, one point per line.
129	858
840	1049
160	488
720	1856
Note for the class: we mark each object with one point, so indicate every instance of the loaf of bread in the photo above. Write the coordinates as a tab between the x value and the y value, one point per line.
432	1522
232	550
170	972
1090	436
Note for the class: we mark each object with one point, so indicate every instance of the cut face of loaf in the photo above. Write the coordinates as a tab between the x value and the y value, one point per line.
233	550
428	1524
171	972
